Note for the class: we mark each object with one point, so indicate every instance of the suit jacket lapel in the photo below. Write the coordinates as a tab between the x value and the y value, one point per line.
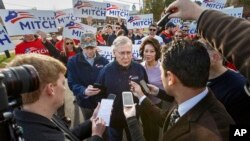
180	128
166	122
183	124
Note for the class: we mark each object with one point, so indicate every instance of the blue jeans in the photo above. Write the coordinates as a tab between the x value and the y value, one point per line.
116	134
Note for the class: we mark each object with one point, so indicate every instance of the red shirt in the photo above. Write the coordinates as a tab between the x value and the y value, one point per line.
35	46
70	54
100	40
59	45
231	66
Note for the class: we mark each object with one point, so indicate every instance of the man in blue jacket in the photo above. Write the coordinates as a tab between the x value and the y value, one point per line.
83	69
115	77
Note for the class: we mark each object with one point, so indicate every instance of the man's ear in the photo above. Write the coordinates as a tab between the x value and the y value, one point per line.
113	52
171	78
50	89
216	57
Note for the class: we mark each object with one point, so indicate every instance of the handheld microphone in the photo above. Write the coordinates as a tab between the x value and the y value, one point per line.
162	22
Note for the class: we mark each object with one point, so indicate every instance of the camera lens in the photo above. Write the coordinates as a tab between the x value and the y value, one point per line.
20	79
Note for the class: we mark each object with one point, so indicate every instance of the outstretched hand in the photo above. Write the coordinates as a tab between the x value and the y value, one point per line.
98	127
153	89
91	91
136	89
129	111
94	115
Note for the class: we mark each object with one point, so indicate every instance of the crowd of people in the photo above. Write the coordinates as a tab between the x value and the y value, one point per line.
190	75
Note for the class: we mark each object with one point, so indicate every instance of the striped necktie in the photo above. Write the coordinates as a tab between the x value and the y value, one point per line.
174	117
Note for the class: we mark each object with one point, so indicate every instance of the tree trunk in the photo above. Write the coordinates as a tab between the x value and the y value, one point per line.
1	7
1	4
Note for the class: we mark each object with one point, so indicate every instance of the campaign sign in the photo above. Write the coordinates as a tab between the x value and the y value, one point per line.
235	12
192	28
213	4
139	21
117	10
5	42
75	30
230	7
138	42
176	21
64	16
21	22
108	54
85	8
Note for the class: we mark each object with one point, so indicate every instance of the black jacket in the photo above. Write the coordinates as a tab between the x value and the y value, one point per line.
39	128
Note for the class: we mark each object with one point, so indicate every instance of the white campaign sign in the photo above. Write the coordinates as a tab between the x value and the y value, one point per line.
229	7
106	52
138	42
117	10
214	4
64	16
176	21
21	22
236	12
5	42
192	28
140	21
85	8
75	30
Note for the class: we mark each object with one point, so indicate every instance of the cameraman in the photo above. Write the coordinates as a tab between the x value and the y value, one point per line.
36	116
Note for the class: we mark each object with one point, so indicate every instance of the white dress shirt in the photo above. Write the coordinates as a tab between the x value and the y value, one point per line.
184	107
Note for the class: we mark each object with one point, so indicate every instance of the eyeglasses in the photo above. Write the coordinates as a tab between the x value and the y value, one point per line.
152	29
117	28
123	53
69	43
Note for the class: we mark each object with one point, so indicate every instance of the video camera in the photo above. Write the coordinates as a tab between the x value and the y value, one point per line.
14	81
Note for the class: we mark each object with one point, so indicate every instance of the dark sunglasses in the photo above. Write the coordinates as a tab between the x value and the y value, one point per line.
152	29
69	43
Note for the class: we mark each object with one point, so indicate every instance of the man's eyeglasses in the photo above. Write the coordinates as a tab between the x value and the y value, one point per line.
123	53
152	29
69	43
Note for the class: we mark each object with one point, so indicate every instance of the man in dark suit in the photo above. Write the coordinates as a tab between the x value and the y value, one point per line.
195	113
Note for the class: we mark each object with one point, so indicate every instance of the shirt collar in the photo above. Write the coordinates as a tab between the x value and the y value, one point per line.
156	66
184	107
87	58
120	67
25	116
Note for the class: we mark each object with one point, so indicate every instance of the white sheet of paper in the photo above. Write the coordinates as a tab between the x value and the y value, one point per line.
105	110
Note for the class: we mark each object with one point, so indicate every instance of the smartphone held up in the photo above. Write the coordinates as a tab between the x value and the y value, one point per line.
127	99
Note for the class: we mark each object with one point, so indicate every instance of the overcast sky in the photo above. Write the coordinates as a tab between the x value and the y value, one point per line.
52	4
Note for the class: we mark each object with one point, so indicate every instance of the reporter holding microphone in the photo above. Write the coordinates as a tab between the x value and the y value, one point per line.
194	104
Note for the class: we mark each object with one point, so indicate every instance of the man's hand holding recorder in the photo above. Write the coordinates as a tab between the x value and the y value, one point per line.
136	90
